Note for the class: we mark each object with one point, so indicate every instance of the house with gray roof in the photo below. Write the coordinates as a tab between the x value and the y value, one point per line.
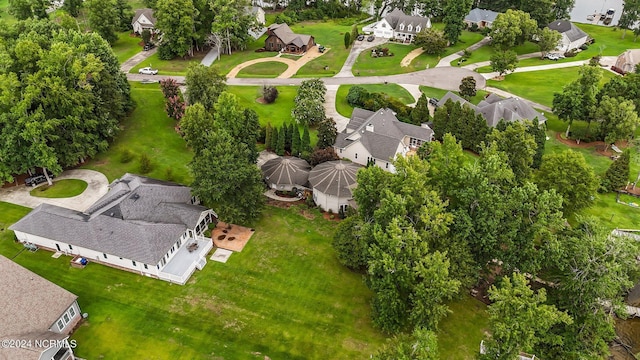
572	36
495	108
35	313
148	226
378	137
627	61
332	183
286	173
399	26
143	19
280	37
481	17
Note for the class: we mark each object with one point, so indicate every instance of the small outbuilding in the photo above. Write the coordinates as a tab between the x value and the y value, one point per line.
332	184
286	172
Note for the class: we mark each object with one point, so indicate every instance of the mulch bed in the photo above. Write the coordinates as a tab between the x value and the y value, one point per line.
598	145
261	100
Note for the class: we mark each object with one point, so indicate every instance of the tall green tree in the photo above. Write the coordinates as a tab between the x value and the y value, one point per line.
103	18
454	13
421	344
519	145
327	133
175	18
72	7
305	141
512	28
570	176
540	136
547	40
196	125
630	15
25	9
241	123
204	85
420	113
432	41
295	142
578	99
231	23
618	119
617	175
275	134
280	143
504	62
468	87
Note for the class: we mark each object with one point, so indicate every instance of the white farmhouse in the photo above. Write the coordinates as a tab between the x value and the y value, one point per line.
142	225
572	36
378	137
143	20
398	25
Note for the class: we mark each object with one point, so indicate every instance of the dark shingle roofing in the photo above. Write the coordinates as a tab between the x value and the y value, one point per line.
568	28
148	13
138	219
477	15
397	17
383	142
335	178
284	33
286	170
495	108
29	304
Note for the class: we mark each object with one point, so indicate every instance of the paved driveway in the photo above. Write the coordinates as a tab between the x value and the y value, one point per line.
97	187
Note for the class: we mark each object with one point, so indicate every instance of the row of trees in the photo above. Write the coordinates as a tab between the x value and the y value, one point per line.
63	97
423	234
542	11
373	101
287	139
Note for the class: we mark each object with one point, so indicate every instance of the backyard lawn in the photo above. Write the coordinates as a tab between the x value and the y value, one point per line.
147	130
460	333
439	93
331	35
269	69
392	90
60	189
484	53
126	46
4	12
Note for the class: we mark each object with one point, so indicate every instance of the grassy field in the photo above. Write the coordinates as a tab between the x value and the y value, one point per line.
539	86
276	113
60	189
439	93
484	53
285	296
147	130
269	69
228	62
393	90
176	66
126	46
331	35
462	330
4	12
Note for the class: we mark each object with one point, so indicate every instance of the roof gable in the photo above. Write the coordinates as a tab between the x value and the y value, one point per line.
396	18
568	29
145	13
287	36
476	15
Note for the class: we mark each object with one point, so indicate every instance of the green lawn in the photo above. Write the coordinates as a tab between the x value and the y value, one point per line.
269	69
539	86
331	35
228	62
462	330
284	296
4	12
147	130
60	189
439	93
393	90
614	215
484	53
276	113
176	66
126	46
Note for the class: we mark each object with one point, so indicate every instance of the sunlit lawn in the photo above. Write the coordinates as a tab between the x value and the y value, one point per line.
4	12
392	90
460	333
228	62
60	189
331	35
126	46
269	69
176	66
439	93
484	53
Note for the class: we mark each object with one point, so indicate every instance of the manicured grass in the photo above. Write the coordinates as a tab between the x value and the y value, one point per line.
484	53
126	46
539	86
228	62
439	93
276	113
284	296
393	90
331	35
60	189
147	130
614	215
269	69
462	330
4	12
609	41
176	66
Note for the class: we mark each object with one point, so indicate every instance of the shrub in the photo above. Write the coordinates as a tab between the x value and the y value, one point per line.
571	53
145	164
269	94
165	52
323	155
126	156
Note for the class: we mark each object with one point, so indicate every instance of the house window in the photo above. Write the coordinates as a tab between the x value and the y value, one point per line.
158	267
60	325
386	166
418	29
70	247
72	311
340	151
384	25
409	28
133	262
401	27
66	318
356	155
146	267
104	255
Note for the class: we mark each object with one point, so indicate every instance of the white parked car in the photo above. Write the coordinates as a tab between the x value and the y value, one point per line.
148	71
552	56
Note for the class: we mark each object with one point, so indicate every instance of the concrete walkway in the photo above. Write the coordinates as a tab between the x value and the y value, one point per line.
271	194
97	187
211	56
330	108
491	75
136	59
506	94
356	49
406	61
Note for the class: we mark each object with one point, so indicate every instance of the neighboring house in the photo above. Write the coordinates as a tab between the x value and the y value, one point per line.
143	20
286	172
258	12
399	26
495	108
378	137
36	313
481	17
148	226
627	61
281	38
333	183
572	36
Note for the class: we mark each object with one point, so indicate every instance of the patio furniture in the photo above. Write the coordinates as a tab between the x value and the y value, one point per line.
192	247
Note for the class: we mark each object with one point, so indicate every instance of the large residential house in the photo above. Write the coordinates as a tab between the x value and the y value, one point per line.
333	183
399	26
36	314
627	61
378	137
495	108
143	225
143	20
280	37
481	18
572	36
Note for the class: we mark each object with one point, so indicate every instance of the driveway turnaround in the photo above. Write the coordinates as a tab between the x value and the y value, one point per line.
97	187
294	65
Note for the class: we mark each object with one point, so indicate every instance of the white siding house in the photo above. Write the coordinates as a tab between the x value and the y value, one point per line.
143	20
572	36
397	25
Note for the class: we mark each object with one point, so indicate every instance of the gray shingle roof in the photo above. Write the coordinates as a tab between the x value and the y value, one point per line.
358	117
477	15
335	178
286	170
148	13
138	219
30	304
397	17
568	28
284	32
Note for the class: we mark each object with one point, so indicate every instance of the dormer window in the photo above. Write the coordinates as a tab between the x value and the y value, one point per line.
401	27
409	28
418	29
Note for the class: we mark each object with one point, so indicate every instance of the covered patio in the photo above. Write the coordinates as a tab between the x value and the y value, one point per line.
192	255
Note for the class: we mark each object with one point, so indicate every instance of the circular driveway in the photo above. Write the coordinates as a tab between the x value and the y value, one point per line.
97	186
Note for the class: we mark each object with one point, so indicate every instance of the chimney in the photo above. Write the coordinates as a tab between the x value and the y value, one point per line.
425	126
370	127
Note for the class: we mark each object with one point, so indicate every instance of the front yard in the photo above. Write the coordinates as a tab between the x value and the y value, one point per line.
331	35
392	90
